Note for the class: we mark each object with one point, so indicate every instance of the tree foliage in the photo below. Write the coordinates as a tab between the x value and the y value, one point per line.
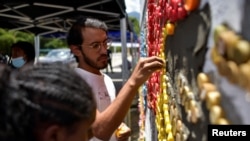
135	24
52	43
9	37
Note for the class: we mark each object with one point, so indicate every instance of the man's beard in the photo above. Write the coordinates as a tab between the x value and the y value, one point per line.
93	64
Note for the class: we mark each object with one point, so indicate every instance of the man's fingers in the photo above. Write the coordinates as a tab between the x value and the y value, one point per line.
152	62
153	59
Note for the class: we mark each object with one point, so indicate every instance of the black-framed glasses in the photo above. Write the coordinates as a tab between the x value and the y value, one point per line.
97	45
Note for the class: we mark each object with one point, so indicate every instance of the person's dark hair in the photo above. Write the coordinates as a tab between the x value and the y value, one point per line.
42	94
75	37
28	49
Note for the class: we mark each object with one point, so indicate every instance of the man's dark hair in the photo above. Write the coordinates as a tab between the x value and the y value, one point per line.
42	94
75	37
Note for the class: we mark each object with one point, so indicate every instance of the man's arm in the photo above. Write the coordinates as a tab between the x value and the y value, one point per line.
109	120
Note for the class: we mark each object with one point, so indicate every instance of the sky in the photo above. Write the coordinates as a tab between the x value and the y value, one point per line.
132	5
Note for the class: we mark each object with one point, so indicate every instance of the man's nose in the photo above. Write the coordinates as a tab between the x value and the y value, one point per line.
103	48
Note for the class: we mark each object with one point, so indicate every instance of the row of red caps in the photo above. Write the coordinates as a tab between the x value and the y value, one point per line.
169	10
159	13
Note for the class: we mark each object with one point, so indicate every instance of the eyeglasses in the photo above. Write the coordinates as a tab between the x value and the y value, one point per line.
97	45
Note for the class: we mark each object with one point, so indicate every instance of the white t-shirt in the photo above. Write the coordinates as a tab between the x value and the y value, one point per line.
103	88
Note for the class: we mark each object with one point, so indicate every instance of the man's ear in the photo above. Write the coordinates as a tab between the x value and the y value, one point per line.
54	133
75	50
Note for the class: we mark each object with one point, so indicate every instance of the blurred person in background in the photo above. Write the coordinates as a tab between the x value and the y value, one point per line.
22	53
44	102
109	53
3	58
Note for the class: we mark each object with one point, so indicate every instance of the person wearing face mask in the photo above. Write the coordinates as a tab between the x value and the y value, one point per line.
22	53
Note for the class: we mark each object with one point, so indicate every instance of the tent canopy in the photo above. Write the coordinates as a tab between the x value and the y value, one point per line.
47	17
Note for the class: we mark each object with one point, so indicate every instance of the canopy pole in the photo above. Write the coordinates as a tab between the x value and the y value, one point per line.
37	48
125	71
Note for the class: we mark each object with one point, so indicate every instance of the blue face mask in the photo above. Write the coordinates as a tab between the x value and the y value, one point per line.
18	62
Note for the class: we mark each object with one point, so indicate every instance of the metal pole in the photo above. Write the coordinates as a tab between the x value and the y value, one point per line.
124	50
125	71
37	48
